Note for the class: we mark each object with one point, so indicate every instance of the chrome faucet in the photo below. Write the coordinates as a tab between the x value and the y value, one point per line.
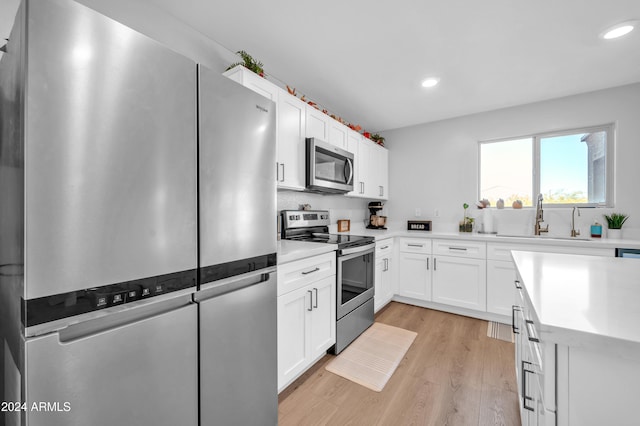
539	218
574	233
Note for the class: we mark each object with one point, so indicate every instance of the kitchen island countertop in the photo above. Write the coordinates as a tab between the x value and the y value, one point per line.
585	301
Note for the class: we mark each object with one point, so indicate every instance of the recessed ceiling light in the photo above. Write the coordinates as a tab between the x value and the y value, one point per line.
430	82
618	30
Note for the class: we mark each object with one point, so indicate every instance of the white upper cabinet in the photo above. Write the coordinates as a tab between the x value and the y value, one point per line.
317	124
254	82
297	120
291	142
338	134
371	175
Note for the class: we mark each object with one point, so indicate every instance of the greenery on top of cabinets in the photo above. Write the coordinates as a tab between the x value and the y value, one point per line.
249	63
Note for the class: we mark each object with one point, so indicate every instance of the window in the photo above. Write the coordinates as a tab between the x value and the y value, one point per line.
567	168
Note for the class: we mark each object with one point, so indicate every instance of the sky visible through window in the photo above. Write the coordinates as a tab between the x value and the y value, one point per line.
564	169
506	170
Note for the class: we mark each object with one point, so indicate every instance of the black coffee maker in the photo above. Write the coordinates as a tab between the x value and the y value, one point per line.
375	220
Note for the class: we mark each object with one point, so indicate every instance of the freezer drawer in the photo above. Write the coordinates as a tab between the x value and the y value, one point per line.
135	368
238	353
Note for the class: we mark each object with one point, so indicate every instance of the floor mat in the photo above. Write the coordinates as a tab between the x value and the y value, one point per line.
373	357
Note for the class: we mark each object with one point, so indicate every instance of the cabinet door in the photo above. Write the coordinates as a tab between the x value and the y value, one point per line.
500	288
322	332
293	317
291	142
378	297
366	181
414	277
379	177
460	282
338	134
387	280
354	139
317	124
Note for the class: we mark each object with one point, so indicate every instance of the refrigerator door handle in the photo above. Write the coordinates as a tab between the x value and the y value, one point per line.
228	285
121	318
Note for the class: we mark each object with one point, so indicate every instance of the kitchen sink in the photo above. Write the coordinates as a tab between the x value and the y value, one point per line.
544	237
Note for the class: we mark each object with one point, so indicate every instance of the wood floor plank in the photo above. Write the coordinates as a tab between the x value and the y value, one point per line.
453	374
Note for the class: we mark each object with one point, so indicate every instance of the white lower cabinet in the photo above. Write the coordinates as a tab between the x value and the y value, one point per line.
500	277
414	268
384	274
459	274
306	314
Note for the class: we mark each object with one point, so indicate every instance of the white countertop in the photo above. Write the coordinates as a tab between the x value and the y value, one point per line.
398	230
293	250
586	301
288	250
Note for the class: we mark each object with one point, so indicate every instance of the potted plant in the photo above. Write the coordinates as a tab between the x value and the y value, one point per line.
466	224
249	63
614	223
377	139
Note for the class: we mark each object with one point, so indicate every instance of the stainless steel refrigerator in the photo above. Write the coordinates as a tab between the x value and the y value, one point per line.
237	247
98	223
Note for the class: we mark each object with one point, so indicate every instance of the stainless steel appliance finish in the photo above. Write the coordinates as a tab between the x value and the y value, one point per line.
98	243
238	346
237	181
137	367
355	273
237	296
110	173
329	168
355	278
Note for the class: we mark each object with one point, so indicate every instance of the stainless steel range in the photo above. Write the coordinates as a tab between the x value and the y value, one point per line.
354	275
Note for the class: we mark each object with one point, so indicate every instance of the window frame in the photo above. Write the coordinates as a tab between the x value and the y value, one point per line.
609	129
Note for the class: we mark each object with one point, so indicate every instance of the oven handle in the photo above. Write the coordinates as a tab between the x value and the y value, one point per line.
358	250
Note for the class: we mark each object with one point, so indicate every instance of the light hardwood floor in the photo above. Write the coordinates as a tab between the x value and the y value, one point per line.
453	374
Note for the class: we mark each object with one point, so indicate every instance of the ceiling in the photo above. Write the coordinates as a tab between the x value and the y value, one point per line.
364	60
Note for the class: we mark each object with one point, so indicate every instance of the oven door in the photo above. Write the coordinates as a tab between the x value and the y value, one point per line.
355	280
329	168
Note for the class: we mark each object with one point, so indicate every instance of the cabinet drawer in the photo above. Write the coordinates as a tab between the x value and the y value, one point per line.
472	249
384	248
415	245
294	275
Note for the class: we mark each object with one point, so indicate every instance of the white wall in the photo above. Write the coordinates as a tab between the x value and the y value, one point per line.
434	166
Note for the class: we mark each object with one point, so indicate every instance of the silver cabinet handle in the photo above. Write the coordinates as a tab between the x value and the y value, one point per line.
362	187
517	283
525	397
315	290
434	263
530	334
310	272
386	264
381	191
415	245
514	308
310	300
458	248
427	263
278	178
384	248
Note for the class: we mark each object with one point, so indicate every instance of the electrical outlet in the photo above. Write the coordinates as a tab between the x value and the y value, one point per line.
436	213
418	212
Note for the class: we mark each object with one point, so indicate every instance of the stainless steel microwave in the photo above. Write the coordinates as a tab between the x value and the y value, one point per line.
329	168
